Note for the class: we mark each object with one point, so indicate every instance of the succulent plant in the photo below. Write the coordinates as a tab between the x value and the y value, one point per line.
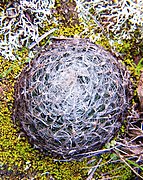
72	98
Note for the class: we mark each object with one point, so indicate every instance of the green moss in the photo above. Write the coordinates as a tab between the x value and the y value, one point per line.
139	67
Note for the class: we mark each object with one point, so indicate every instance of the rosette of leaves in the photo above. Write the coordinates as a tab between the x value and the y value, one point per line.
72	98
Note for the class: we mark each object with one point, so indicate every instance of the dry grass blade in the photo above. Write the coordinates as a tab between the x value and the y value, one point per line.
92	170
130	148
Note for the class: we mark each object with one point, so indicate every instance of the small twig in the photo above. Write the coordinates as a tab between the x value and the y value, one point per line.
120	150
94	153
93	169
110	178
